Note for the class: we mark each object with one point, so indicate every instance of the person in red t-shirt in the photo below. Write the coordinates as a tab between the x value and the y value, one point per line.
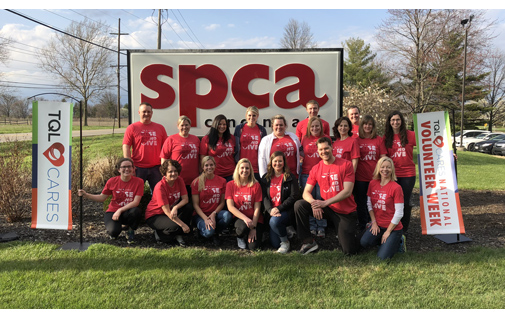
126	191
168	213
220	144
310	158
371	148
280	192
385	205
335	177
312	108
400	144
142	143
353	114
208	191
243	197
345	147
248	136
185	149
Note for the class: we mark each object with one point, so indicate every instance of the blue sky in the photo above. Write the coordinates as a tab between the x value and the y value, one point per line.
195	28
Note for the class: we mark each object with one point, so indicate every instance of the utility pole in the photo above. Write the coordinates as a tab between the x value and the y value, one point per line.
118	71
159	29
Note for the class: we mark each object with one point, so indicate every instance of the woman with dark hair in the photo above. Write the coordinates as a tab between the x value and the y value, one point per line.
220	144
208	201
126	191
344	146
280	192
248	136
243	197
400	144
385	205
371	148
168	212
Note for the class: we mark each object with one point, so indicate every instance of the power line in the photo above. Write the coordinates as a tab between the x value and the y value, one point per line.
188	27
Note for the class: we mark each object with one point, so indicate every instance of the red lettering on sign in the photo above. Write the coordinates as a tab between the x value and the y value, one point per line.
240	85
149	77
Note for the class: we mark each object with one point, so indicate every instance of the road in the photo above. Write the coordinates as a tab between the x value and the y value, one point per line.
28	136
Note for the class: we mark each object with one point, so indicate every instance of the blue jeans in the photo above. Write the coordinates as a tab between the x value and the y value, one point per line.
278	228
386	250
315	224
223	219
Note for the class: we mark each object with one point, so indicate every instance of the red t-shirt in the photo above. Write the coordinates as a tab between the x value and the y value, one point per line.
331	180
370	151
355	130
288	147
146	141
224	155
250	139
347	149
310	154
164	194
275	190
185	150
301	128
383	200
210	195
122	193
403	157
244	198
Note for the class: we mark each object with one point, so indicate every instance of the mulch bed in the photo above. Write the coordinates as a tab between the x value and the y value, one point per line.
483	217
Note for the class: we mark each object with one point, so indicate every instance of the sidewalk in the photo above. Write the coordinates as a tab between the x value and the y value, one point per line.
28	136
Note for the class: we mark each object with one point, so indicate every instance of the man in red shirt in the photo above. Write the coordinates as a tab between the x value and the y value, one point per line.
142	143
312	108
335	177
353	114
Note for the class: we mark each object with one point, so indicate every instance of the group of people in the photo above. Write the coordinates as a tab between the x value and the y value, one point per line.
280	184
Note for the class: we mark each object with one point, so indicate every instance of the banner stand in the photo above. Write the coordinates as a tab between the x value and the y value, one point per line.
453	238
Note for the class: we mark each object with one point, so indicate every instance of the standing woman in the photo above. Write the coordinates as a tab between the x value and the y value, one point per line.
281	191
184	148
280	140
400	144
126	191
385	205
310	158
243	197
168	212
371	148
220	144
208	201
248	136
344	146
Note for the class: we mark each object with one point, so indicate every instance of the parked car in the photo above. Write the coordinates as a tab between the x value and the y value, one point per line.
487	146
499	148
467	134
469	143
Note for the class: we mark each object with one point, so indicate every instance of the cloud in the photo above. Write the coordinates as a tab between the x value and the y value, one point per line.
252	43
212	27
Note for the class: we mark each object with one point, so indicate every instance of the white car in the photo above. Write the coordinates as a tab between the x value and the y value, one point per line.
466	134
469	143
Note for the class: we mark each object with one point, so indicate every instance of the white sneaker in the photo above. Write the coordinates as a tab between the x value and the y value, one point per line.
284	247
241	243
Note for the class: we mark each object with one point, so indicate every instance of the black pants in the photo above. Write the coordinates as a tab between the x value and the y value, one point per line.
407	184
360	197
167	228
243	232
151	174
130	218
345	224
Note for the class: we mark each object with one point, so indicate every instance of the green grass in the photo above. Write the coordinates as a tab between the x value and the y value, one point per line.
40	276
94	124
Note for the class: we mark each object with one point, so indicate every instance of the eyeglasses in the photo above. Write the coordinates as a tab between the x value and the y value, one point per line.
125	167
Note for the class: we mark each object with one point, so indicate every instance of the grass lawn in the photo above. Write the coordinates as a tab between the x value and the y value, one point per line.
93	124
37	275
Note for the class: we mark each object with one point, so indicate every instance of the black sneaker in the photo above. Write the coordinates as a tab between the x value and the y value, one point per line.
308	248
130	236
403	245
215	240
180	241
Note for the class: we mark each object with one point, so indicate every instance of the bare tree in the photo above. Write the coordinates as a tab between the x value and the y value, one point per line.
82	65
7	104
297	36
107	105
4	55
495	86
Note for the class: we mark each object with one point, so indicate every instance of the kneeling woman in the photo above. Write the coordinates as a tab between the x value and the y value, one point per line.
126	191
281	191
243	197
385	206
208	200
168	212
